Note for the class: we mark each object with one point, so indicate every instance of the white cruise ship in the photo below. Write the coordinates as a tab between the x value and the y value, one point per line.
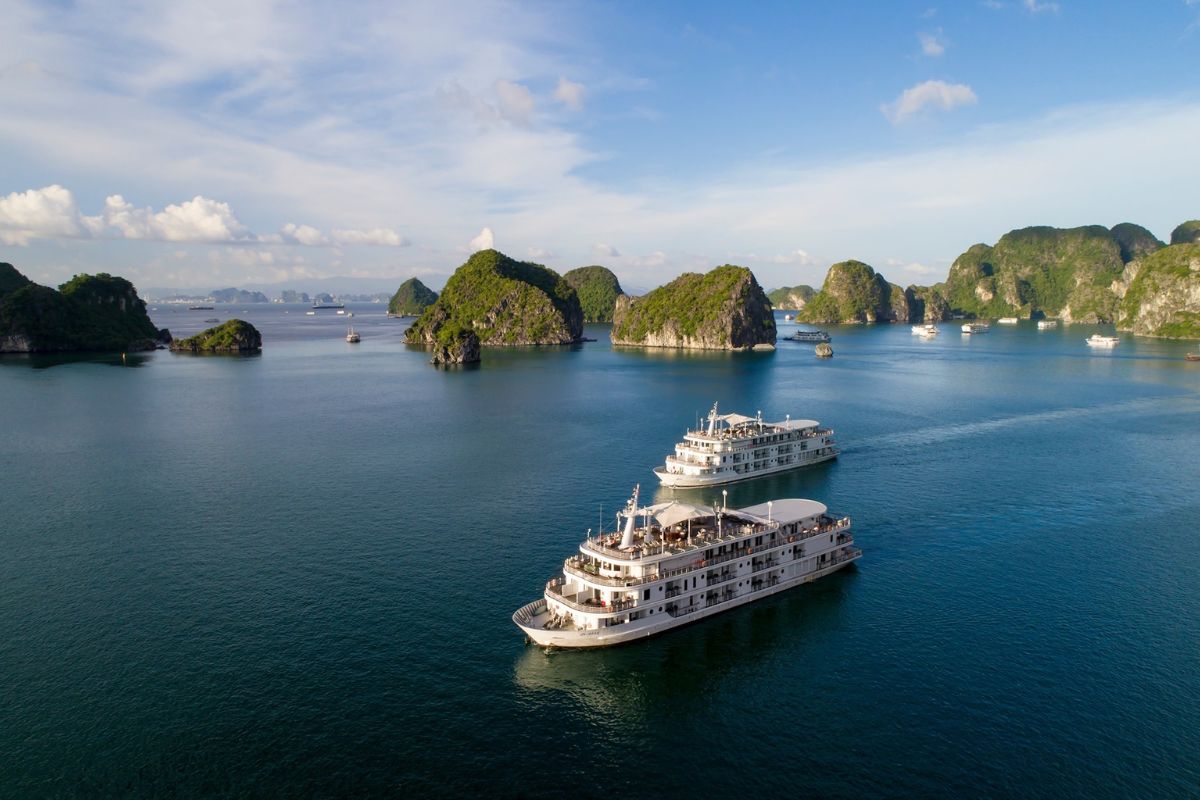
734	447
675	563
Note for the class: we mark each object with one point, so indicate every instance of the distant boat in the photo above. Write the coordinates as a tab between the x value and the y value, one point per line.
341	311
352	336
1008	321
1047	324
788	317
928	329
212	319
810	336
329	305
310	313
975	327
1096	340
200	308
1193	356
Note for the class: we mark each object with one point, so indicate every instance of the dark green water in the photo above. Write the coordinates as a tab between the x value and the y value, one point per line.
293	574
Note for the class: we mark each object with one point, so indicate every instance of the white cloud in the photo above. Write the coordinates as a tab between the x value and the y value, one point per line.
484	241
569	94
606	250
385	237
516	102
37	214
930	94
932	44
540	253
302	234
197	220
1035	7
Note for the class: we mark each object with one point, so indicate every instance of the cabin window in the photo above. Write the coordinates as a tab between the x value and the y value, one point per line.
646	595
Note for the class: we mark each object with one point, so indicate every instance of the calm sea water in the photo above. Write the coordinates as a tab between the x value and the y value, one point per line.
293	574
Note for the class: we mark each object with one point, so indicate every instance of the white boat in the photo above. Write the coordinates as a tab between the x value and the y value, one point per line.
1008	321
675	563
341	312
1096	340
975	327
928	329
788	317
1047	324
733	447
352	335
310	313
810	336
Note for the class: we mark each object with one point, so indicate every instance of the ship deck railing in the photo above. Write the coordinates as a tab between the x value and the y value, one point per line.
747	432
702	541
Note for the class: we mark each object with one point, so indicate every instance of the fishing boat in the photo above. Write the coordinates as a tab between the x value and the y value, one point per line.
1096	340
674	563
200	308
1192	356
734	447
352	335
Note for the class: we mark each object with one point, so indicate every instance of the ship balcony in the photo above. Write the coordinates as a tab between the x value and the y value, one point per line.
584	601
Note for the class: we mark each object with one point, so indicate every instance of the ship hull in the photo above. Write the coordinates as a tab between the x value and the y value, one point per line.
531	623
676	480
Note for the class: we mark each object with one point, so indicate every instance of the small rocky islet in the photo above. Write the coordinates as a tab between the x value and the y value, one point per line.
411	299
232	336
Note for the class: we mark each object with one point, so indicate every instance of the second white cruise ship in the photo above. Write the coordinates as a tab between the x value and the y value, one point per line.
734	447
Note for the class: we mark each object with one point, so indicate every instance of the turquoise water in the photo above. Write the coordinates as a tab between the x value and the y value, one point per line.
294	573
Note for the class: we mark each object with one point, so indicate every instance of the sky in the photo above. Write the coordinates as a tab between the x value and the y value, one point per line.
240	142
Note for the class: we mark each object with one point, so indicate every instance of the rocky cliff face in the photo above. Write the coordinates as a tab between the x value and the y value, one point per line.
598	290
234	336
791	298
505	302
724	309
456	345
854	292
1059	272
1160	294
87	313
411	299
1186	232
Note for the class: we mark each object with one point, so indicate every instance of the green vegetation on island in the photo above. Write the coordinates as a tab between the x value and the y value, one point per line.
233	336
724	309
1162	294
505	302
87	313
854	292
1186	232
456	344
412	298
791	298
598	290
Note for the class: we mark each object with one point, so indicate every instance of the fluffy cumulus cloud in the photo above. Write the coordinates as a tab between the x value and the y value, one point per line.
606	250
569	94
515	102
928	95
197	220
484	241
39	213
307	235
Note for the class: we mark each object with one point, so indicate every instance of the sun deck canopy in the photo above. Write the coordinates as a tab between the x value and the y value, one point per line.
795	424
787	510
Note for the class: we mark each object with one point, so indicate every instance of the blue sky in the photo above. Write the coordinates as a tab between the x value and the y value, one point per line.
224	143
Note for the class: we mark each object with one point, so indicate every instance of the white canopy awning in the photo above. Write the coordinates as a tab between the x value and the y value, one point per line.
736	419
675	512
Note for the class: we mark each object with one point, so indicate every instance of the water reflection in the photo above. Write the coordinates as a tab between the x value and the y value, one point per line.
47	360
622	684
809	482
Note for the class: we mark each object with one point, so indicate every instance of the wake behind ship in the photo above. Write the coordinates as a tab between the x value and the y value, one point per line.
676	563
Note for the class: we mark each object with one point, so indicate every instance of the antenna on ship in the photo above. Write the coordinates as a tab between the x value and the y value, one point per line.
630	514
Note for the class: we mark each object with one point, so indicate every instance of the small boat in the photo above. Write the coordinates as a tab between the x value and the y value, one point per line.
788	317
810	336
928	329
1047	324
200	308
1096	340
352	336
341	312
349	313
1192	356
310	313
975	327
329	305
1008	321
212	319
